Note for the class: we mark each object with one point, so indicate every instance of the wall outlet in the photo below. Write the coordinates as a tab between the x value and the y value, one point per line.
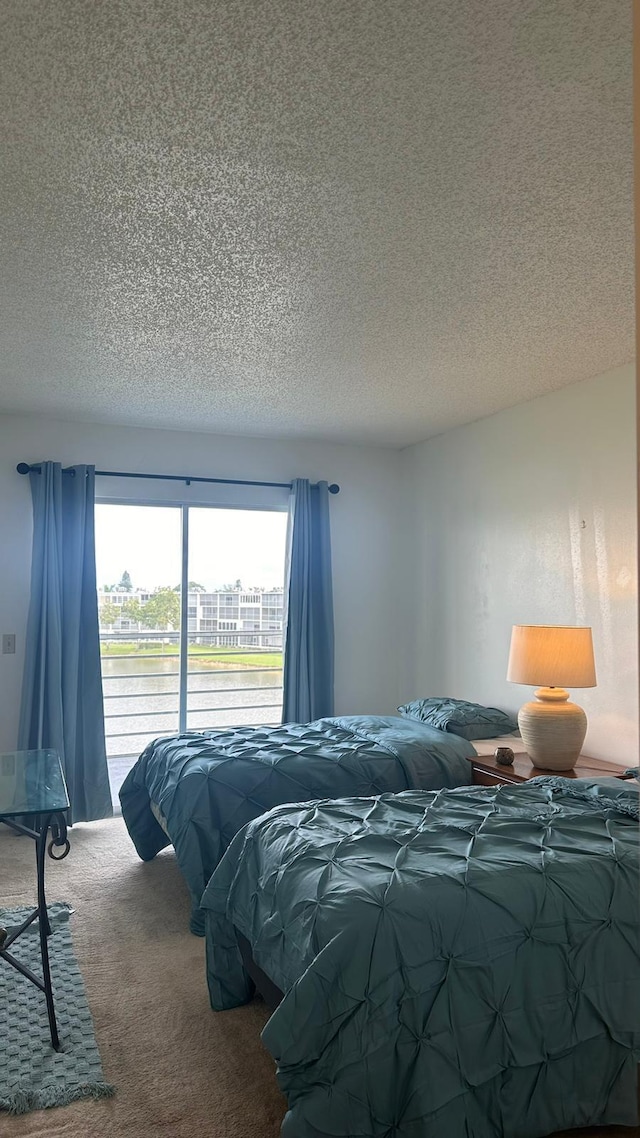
8	643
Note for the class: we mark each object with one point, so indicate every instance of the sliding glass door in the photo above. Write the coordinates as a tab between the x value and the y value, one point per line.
190	600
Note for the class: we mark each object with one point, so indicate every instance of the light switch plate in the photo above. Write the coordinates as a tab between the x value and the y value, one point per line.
8	643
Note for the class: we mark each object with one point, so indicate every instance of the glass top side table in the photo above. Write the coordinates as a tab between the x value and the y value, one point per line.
33	801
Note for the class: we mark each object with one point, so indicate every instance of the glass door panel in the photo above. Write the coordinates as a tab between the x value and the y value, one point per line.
235	617
138	567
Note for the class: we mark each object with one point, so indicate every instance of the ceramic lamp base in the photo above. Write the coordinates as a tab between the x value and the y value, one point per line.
552	729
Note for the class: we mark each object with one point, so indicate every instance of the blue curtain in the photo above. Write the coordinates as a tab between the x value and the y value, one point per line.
308	652
62	687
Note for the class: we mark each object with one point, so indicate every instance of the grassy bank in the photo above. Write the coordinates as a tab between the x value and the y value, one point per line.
204	656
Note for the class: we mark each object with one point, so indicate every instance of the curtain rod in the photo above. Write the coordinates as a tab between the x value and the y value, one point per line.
25	468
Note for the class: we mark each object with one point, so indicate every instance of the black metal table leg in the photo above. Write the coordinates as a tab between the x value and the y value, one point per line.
44	927
33	801
55	822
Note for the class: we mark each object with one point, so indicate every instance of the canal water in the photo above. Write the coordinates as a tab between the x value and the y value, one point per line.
139	708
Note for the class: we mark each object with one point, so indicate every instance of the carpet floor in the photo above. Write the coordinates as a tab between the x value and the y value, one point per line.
179	1069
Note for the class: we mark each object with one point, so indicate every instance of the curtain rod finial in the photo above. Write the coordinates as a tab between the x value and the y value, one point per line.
23	468
334	488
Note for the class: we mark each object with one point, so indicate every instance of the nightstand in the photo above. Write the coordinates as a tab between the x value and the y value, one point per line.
487	772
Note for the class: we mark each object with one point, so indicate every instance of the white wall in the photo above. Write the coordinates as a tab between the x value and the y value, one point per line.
365	520
437	550
528	517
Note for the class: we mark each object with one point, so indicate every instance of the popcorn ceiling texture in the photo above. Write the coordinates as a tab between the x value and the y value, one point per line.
361	221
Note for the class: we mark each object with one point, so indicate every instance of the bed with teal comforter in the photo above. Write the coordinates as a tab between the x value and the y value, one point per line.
462	963
197	790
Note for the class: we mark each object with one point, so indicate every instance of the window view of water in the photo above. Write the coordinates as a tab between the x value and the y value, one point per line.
141	694
231	630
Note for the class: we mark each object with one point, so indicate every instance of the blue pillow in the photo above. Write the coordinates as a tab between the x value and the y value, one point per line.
459	717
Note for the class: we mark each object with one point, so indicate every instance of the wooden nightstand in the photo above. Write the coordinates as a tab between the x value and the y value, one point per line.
487	772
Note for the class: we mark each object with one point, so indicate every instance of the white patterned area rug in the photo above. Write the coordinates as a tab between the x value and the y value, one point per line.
32	1074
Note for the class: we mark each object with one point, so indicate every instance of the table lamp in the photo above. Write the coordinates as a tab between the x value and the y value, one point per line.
555	657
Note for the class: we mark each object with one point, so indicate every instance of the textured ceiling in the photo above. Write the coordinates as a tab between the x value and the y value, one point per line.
364	220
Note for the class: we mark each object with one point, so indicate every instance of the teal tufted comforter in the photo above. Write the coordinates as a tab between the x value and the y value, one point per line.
208	784
461	964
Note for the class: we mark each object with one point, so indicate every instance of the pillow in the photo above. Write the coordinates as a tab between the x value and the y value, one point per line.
459	717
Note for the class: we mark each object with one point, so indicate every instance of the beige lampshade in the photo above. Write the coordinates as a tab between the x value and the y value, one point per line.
551	655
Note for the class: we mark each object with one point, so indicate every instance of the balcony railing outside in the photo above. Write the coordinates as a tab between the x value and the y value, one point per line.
228	684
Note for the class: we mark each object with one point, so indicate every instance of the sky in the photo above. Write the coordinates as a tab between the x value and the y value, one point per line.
224	546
